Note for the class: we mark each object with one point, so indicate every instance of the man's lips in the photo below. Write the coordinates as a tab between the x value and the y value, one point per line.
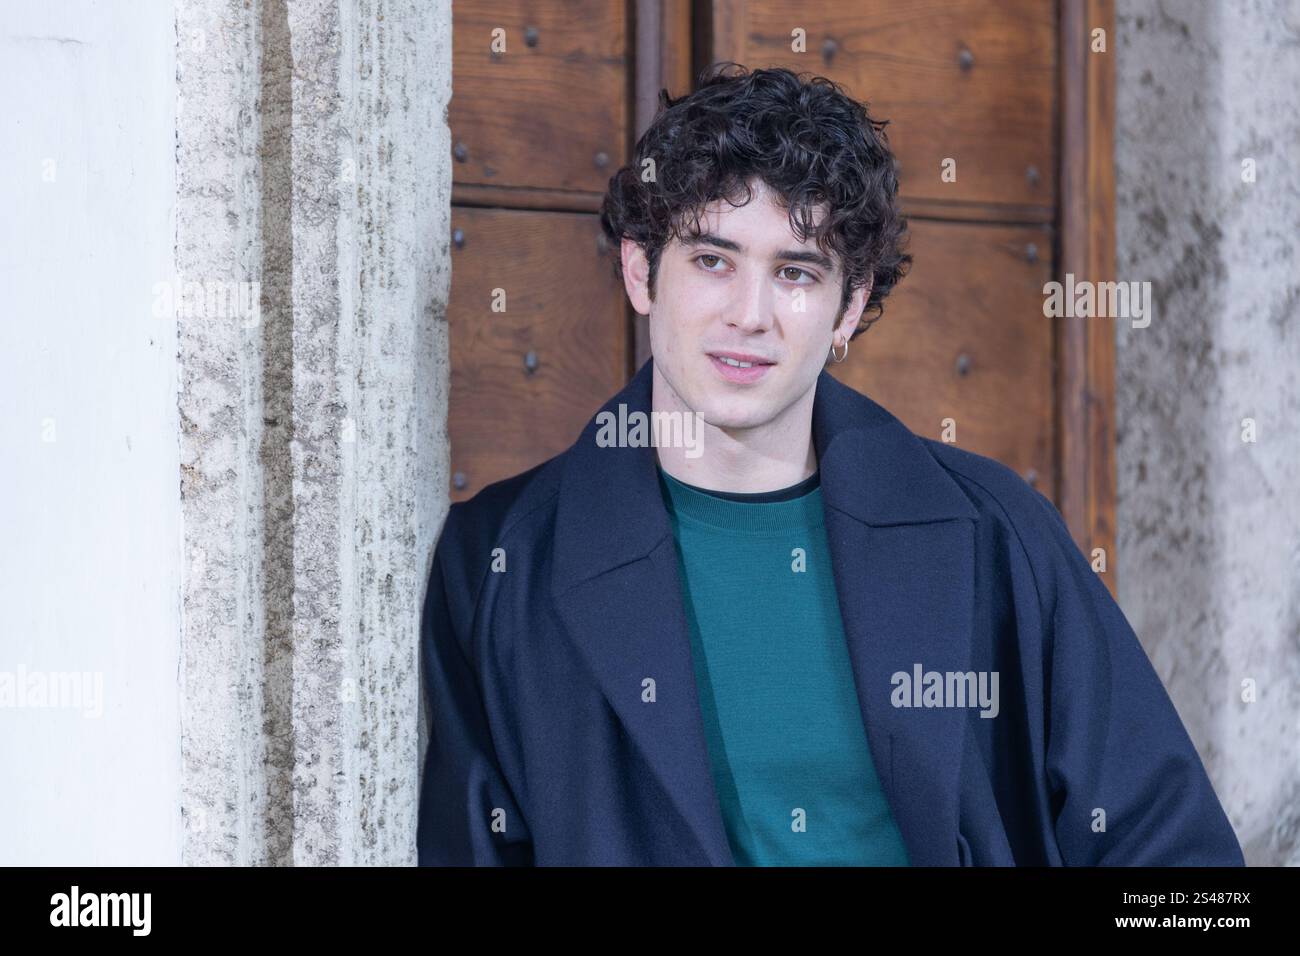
736	374
743	357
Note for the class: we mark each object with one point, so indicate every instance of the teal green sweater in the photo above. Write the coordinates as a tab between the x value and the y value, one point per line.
786	742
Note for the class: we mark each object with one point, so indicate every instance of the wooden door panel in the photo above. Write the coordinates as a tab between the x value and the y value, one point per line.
563	307
969	80
552	115
964	337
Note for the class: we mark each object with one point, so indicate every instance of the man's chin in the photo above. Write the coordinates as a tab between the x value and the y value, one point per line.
736	414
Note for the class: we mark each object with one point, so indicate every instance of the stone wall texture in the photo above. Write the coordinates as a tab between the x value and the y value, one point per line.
1209	523
313	160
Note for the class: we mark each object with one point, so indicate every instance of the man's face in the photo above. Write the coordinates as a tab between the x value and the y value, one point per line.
745	291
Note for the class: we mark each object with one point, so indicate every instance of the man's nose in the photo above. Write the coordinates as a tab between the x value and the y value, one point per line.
752	307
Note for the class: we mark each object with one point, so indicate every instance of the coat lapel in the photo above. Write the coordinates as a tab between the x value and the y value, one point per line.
904	573
617	588
903	570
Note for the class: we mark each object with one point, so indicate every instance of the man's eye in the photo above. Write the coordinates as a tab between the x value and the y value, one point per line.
798	270
707	256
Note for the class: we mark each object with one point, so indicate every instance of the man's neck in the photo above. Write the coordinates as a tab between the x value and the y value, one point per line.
775	455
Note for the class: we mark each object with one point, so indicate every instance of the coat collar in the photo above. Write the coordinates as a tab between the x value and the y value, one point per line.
903	563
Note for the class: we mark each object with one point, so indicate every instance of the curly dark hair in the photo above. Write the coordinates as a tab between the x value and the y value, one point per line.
806	138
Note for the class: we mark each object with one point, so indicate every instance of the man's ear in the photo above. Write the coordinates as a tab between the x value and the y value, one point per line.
853	312
636	275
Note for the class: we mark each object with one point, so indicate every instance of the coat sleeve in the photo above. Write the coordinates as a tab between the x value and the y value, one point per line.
468	814
1114	742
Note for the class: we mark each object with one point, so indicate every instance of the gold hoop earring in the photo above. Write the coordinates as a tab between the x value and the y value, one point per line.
840	358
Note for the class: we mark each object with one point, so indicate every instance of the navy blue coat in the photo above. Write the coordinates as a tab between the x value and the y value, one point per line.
543	751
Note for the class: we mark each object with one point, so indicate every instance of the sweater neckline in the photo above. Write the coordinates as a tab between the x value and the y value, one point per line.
798	507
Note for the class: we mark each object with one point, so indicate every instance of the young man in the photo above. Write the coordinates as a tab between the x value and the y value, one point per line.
802	634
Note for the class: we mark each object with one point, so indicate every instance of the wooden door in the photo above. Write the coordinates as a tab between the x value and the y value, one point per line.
540	334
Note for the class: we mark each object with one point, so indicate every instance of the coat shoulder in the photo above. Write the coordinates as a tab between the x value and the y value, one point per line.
985	480
504	503
1002	496
493	515
1020	531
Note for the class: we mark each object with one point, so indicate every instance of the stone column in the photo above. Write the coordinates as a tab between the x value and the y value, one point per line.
314	178
1208	212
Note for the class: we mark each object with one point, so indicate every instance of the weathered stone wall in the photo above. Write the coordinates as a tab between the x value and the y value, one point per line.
312	149
1209	524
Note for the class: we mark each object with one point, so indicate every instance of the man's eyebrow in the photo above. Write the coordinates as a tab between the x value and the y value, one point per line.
810	256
